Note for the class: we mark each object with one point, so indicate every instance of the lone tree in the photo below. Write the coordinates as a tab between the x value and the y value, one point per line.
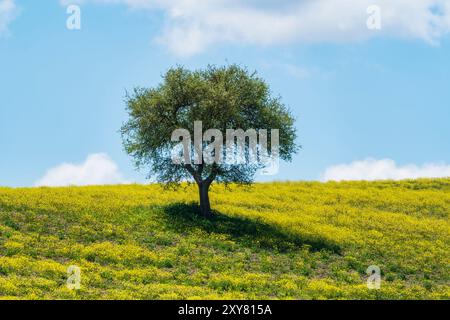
223	98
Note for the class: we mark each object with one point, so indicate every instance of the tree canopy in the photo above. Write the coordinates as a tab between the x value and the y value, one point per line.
222	98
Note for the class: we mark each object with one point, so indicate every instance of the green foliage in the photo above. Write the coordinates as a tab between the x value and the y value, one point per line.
222	98
304	240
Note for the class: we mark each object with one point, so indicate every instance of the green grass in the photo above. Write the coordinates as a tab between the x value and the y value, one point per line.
304	240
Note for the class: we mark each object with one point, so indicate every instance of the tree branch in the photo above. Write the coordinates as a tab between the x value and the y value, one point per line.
200	170
212	175
194	173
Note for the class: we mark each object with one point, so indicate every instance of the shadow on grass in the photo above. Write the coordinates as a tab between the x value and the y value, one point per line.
183	217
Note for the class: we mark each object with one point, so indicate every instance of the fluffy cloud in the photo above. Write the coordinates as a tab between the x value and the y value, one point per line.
98	169
191	26
8	11
371	169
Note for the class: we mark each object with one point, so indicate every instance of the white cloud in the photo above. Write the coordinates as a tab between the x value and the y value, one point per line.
8	11
191	26
97	169
371	169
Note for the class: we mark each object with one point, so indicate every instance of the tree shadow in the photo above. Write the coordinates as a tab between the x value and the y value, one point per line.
185	217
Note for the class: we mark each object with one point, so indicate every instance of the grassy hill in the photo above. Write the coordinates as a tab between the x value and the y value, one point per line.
302	240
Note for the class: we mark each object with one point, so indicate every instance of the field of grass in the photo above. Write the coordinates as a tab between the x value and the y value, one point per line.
304	240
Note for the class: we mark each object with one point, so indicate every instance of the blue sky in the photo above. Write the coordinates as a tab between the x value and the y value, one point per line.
369	103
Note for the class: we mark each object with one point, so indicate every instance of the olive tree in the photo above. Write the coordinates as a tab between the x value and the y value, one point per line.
221	98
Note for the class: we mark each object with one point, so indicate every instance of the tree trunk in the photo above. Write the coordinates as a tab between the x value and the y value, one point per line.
205	207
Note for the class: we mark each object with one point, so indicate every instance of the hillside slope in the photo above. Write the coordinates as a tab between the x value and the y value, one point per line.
277	241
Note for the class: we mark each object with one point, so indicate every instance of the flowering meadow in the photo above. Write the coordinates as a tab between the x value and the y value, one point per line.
285	240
